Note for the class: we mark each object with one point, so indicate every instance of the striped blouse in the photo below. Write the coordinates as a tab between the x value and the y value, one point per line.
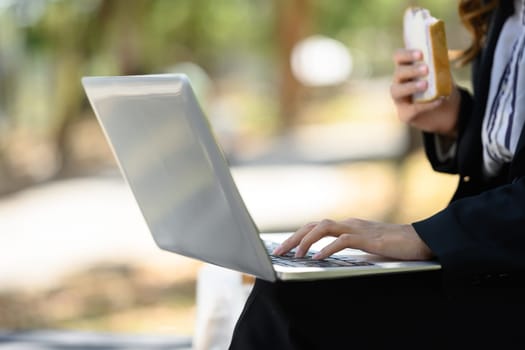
505	113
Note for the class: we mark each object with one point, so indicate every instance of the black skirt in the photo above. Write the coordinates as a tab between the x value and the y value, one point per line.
401	311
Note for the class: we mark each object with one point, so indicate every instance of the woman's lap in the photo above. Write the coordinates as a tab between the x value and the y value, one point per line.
329	313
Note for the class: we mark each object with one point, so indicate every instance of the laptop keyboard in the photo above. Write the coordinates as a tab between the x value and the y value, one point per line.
289	259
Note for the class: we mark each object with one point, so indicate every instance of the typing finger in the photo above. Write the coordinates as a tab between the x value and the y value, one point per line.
294	240
324	228
346	240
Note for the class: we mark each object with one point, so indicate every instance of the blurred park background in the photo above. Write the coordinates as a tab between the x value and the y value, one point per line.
296	90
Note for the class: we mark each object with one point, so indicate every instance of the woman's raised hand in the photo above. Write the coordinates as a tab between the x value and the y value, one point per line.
439	116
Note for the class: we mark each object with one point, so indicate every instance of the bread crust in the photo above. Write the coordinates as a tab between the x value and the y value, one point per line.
441	60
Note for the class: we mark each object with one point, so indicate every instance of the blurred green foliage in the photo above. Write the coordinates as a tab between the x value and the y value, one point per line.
46	46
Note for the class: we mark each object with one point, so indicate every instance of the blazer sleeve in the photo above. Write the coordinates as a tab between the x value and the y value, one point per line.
450	164
480	234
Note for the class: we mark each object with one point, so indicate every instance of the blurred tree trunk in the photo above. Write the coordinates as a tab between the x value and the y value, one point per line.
118	26
293	24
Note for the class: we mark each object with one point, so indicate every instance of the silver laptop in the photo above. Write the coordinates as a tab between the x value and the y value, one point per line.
169	157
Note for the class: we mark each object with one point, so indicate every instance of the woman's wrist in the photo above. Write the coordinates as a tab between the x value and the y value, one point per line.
422	250
452	106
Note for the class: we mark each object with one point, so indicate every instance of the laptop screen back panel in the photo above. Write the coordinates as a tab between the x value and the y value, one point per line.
179	177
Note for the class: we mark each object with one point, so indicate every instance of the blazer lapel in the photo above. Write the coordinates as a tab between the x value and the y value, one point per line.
481	72
483	66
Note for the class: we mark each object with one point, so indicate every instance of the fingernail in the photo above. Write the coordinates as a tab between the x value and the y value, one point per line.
421	84
298	253
416	54
277	251
316	256
422	69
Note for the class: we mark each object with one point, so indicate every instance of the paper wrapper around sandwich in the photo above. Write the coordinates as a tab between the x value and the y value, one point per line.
423	32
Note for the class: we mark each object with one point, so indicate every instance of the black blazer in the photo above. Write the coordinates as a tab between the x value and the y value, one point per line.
482	231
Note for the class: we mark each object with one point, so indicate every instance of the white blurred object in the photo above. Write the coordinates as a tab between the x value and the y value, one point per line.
221	294
320	61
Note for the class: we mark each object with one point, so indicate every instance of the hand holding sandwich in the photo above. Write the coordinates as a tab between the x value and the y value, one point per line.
422	89
437	116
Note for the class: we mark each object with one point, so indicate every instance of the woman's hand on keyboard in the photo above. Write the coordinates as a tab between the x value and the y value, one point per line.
390	240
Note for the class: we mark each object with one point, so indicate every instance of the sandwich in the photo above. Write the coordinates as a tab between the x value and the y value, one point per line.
423	32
